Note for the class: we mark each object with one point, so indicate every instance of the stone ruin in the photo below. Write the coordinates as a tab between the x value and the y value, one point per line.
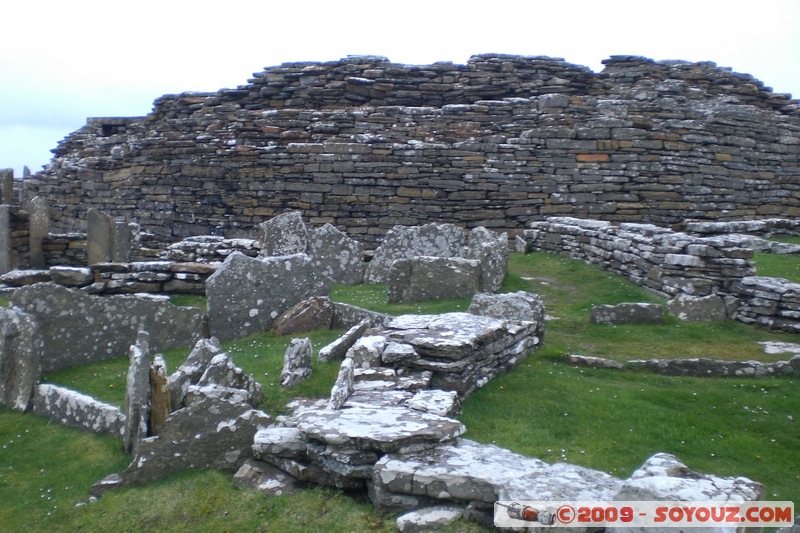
387	428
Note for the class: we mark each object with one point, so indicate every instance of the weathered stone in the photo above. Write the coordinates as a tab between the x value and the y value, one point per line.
366	352
222	372
664	477
160	406
491	251
627	313
7	186
438	402
73	409
343	387
81	328
279	441
309	315
190	372
697	309
265	478
394	429
593	362
464	470
21	278
521	306
71	276
38	231
296	362
424	278
137	395
403	242
5	239
398	352
21	347
99	237
338	348
429	519
336	256
703	367
208	434
284	234
125	236
246	295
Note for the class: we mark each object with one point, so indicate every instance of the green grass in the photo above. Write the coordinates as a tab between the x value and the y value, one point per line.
602	419
778	266
5	302
188	300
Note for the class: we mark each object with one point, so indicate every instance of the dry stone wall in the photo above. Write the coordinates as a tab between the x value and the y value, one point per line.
366	144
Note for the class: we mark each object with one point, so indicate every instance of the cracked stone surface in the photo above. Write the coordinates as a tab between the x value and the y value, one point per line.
387	429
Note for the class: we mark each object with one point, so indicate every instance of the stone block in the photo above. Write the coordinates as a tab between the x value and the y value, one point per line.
296	362
336	256
520	306
21	347
698	308
424	278
309	315
73	409
245	295
338	348
39	227
284	234
5	239
99	237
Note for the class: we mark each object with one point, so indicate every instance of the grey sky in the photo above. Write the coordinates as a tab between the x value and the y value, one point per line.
61	62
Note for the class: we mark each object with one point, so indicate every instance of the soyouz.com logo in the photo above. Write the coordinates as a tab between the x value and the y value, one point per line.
663	514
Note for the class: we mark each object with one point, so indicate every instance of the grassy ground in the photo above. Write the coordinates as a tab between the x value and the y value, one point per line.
602	419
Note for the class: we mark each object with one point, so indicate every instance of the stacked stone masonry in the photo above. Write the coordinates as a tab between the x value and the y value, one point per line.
680	263
366	144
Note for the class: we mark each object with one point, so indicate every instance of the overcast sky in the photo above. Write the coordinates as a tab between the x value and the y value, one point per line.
62	61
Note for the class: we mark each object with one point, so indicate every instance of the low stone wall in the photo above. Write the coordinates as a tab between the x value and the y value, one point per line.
681	264
81	328
771	302
67	249
77	410
658	258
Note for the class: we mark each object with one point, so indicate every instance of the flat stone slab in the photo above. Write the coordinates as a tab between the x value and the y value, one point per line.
386	429
449	335
467	471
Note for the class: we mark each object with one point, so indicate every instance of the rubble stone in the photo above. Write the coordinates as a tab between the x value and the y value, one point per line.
296	362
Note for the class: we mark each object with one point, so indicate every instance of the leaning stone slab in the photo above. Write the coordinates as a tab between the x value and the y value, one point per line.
284	234
20	358
422	278
137	395
209	434
245	295
81	328
296	362
336	256
393	429
338	348
309	315
343	387
73	409
627	313
697	309
402	242
190	372
663	477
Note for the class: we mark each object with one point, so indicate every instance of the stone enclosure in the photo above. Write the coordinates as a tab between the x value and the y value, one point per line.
426	171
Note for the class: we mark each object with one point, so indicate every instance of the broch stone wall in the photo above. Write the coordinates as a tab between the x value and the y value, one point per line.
366	144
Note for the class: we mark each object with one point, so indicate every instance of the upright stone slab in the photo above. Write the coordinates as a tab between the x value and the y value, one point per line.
491	249
159	395
20	352
81	328
125	235
7	186
100	230
520	306
296	362
284	234
337	256
245	295
418	279
39	228
137	395
5	239
402	242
